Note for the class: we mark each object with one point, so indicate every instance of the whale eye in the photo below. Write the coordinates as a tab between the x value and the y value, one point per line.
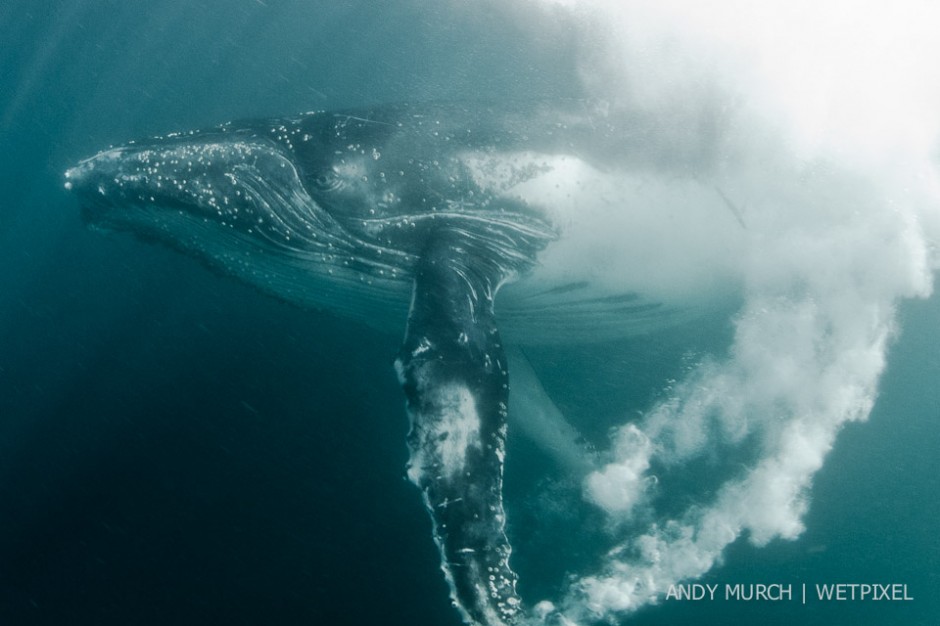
329	181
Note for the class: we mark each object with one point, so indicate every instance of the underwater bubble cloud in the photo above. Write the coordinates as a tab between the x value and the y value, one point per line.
822	128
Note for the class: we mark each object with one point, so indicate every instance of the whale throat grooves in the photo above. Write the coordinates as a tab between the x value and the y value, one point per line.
452	367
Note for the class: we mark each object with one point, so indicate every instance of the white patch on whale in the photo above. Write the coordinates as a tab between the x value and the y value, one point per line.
456	432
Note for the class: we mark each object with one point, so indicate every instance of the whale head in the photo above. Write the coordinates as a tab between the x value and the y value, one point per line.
308	206
264	201
235	180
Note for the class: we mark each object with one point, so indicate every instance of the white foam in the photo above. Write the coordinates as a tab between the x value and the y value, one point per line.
620	485
827	145
448	434
680	231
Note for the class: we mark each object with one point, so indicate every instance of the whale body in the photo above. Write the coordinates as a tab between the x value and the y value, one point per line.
462	223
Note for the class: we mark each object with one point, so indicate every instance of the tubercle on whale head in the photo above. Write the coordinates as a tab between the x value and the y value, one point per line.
198	172
238	173
230	197
246	180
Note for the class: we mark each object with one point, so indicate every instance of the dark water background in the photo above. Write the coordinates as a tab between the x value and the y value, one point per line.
177	449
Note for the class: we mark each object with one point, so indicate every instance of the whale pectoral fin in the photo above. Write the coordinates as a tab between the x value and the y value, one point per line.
534	415
453	370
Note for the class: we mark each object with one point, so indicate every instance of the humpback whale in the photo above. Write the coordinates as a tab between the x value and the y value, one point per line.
469	225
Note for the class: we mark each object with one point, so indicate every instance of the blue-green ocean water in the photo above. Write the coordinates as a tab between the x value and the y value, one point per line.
178	449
